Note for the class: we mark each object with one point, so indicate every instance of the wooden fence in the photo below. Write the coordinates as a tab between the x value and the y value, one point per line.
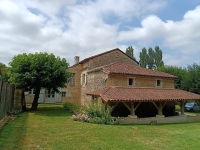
6	98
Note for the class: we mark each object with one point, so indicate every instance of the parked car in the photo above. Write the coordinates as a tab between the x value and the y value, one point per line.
192	106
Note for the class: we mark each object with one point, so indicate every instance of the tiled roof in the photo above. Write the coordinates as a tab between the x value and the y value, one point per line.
143	94
103	54
120	68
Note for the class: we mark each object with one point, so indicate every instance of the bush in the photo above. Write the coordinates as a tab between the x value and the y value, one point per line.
14	112
96	113
71	107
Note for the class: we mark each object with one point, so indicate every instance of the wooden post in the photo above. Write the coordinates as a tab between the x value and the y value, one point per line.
182	107
160	109
132	109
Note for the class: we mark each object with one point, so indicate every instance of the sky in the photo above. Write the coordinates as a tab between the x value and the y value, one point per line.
84	28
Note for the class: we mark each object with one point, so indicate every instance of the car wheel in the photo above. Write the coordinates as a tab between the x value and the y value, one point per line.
191	110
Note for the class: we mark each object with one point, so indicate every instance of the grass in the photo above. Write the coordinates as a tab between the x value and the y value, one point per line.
51	128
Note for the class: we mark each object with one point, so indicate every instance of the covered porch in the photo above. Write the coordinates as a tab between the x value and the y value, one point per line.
143	103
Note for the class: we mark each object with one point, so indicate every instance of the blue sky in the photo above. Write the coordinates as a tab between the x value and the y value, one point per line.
84	28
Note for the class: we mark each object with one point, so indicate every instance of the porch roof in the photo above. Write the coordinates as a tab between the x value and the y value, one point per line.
113	94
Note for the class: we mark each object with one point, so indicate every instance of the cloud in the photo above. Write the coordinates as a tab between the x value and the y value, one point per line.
181	36
85	28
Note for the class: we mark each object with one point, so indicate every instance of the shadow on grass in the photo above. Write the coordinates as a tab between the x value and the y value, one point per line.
13	133
50	110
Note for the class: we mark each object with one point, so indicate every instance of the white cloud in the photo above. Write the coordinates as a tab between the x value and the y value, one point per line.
182	36
68	28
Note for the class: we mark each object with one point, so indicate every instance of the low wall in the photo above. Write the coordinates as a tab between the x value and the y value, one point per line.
161	120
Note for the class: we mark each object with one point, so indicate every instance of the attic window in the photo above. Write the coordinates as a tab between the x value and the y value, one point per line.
158	83
130	81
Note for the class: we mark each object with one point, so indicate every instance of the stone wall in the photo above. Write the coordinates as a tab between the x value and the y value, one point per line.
108	58
122	80
162	120
74	90
95	80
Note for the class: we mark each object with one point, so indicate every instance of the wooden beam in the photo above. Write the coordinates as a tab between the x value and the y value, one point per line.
114	106
155	105
137	105
127	106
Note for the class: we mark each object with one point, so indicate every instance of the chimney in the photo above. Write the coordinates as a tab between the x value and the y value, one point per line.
76	59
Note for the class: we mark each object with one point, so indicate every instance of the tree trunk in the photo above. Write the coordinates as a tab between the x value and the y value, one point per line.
36	97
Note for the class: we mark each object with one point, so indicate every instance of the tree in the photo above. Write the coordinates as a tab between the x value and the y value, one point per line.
151	58
191	81
36	71
143	58
180	72
3	72
130	51
158	57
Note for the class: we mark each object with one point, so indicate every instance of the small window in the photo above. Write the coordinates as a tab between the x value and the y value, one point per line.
158	83
63	94
83	79
72	80
130	81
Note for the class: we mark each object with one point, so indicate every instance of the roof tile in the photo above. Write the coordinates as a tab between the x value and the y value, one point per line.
143	94
121	68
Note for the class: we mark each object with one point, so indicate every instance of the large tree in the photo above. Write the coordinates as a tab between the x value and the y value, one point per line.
130	51
143	58
158	57
180	72
36	71
3	72
151	58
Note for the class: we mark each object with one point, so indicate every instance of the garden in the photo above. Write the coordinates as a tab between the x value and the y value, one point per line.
52	127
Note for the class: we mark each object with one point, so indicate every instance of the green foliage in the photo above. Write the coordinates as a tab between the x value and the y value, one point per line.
34	71
39	69
143	58
71	107
14	112
152	59
158	57
130	51
96	113
177	71
189	78
3	72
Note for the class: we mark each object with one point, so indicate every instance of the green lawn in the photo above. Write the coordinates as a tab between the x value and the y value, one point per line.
51	128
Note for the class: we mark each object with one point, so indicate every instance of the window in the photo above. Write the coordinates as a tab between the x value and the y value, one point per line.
72	80
63	94
158	83
49	94
131	81
32	91
83	79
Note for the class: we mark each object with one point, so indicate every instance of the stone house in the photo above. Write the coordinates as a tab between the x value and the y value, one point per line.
118	81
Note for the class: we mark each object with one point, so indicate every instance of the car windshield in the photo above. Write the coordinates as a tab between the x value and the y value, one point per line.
189	104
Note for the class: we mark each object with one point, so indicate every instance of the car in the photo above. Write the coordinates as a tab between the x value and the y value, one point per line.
191	106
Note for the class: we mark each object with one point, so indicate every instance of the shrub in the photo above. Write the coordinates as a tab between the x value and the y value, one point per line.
71	107
14	112
96	113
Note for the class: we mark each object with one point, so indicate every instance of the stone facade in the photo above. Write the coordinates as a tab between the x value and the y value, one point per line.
88	77
86	81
